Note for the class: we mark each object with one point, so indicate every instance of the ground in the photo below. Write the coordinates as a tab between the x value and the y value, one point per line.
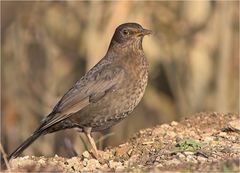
202	142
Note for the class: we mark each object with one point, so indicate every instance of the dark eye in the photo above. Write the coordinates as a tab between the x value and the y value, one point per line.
125	32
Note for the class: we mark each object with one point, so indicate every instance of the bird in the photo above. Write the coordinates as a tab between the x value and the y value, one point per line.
106	94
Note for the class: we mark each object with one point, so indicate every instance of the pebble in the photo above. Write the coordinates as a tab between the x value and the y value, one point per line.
133	159
171	134
73	163
91	164
129	152
104	166
41	161
86	154
188	152
85	162
122	150
22	162
181	156
114	165
162	130
165	126
158	131
25	157
106	155
191	159
201	159
174	123
222	134
119	168
148	142
159	165
235	124
121	145
141	132
208	139
173	162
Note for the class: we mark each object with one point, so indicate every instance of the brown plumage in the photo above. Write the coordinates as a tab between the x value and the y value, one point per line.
106	94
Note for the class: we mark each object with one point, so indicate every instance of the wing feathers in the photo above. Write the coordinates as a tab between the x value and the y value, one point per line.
79	96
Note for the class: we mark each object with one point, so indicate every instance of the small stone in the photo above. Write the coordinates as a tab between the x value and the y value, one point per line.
85	162
25	157
171	134
104	166
105	155
86	154
125	163
159	165
222	134
188	153
192	133
191	159
73	163
201	159
181	156
158	131
41	161
133	159
129	152
148	142
92	164
235	124
173	162
22	162
208	139
122	145
122	150
141	132
165	126
174	123
114	165
119	168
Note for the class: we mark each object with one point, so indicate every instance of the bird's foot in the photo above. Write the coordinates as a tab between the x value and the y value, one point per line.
94	154
98	155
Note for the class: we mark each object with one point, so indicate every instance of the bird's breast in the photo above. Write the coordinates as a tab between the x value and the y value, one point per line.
136	77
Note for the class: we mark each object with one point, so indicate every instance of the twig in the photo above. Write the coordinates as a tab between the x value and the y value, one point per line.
104	137
5	157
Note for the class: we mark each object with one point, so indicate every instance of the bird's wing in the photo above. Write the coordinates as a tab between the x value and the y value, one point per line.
88	89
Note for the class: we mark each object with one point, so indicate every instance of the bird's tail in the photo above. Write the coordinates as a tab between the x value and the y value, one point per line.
25	144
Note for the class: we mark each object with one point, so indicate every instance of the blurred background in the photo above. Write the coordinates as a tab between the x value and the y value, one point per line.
47	46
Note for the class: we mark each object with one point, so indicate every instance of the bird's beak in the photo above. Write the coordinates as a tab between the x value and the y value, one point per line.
144	32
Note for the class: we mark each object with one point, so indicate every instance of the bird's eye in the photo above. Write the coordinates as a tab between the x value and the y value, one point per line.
125	32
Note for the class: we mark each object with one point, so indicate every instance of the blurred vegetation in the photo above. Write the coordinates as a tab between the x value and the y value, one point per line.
187	145
47	46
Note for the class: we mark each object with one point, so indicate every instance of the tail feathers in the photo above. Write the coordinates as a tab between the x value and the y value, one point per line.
24	145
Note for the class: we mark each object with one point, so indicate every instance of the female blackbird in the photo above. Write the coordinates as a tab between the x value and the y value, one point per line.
106	94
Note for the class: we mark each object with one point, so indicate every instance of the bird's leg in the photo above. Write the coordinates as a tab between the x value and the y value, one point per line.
92	142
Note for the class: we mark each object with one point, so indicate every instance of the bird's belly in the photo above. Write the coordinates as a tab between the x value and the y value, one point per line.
112	108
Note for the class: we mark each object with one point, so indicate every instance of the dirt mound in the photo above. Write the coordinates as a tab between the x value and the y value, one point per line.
202	142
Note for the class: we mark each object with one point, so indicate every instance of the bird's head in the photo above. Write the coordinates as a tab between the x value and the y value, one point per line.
129	33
